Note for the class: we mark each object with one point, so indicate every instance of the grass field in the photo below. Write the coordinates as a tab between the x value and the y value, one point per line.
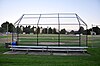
51	60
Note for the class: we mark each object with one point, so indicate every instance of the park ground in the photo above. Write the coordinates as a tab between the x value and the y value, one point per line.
52	60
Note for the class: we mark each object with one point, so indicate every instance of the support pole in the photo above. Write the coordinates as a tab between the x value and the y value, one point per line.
17	35
18	30
86	36
79	31
37	29
86	29
58	31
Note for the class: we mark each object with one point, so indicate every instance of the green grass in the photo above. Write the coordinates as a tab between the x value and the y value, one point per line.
51	60
5	36
2	48
43	60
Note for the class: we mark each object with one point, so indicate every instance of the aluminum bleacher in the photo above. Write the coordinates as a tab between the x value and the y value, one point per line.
49	49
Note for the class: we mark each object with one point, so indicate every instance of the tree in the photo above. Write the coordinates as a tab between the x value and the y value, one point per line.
23	29
54	31
10	27
18	29
72	32
81	30
50	30
44	31
63	31
27	29
1	30
38	30
97	30
87	32
7	27
32	30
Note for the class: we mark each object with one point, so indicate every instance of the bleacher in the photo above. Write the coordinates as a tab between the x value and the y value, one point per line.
51	49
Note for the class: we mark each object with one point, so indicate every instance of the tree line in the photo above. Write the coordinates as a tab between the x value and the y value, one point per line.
9	27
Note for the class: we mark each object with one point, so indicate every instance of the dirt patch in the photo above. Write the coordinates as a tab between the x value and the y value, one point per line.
50	43
44	53
42	43
5	40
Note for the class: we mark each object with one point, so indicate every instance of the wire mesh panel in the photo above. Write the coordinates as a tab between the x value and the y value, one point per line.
57	29
94	38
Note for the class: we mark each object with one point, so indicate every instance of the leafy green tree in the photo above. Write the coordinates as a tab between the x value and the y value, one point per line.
18	29
10	27
44	31
27	29
38	30
50	30
54	31
1	30
63	31
87	32
6	26
32	30
81	30
72	32
97	30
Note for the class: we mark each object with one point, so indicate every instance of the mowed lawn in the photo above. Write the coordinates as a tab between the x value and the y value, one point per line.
50	60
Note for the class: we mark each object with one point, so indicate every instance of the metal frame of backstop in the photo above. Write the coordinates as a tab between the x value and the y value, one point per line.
58	24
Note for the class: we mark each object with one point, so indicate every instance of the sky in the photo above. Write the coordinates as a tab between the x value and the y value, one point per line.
88	10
